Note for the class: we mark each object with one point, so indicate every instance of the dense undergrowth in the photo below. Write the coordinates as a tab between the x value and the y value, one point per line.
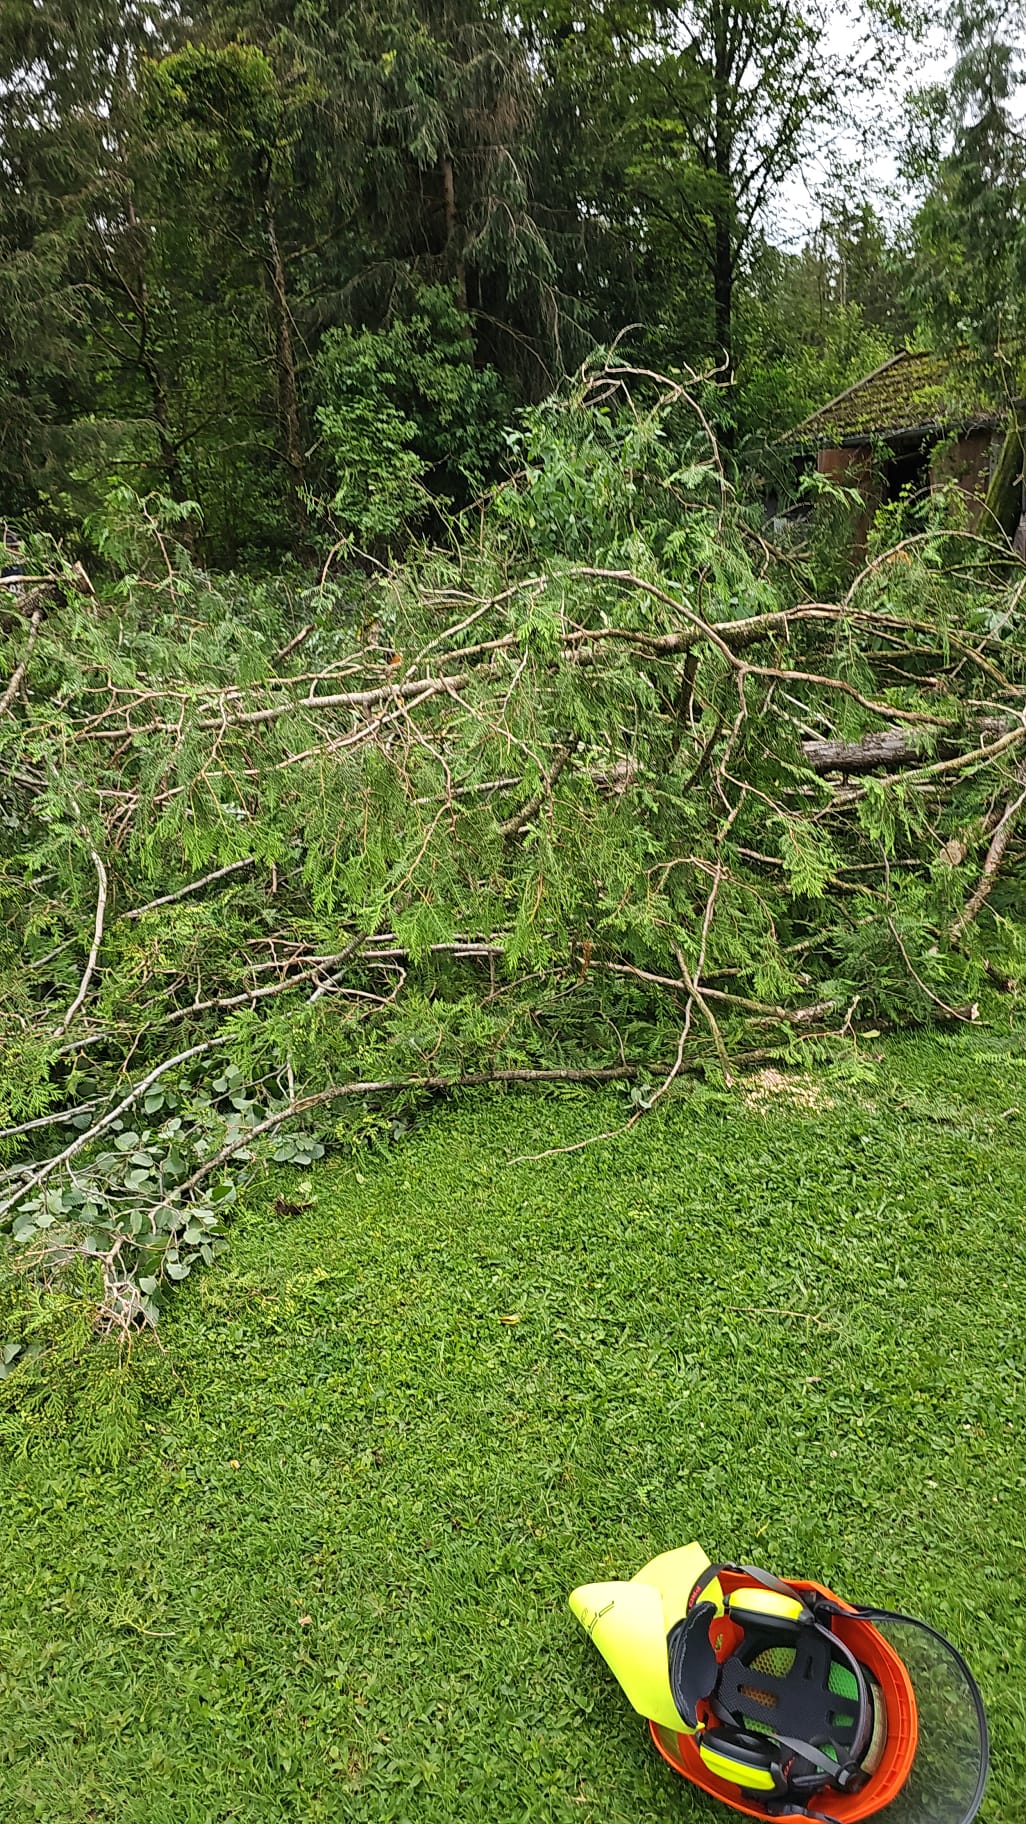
601	789
311	1559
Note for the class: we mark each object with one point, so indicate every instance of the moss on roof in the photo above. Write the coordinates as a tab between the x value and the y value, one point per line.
907	393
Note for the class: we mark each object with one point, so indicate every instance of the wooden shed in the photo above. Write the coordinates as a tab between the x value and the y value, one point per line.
907	424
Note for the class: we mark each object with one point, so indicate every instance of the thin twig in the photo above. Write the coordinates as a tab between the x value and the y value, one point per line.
696	994
194	886
953	1013
475	1079
807	1317
330	981
296	640
999	842
101	907
20	669
62	1116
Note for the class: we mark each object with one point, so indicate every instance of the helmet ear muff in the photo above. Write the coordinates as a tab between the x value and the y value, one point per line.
749	1761
753	1607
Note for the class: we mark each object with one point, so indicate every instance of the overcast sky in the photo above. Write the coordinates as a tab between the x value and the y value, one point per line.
797	209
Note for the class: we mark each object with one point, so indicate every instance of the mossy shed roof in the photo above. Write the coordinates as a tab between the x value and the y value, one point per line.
910	392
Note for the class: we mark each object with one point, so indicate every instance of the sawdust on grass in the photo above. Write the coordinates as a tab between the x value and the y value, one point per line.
768	1085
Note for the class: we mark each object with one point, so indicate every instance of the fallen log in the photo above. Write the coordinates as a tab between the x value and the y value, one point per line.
892	748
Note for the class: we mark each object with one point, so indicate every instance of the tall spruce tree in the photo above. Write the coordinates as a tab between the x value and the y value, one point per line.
68	84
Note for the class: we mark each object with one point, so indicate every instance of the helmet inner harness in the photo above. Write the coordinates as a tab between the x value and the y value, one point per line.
792	1709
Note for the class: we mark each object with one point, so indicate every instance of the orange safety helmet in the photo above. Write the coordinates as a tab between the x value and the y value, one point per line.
783	1700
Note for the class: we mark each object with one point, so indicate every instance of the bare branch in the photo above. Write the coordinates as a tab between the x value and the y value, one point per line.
101	906
194	886
892	747
14	683
515	824
1002	836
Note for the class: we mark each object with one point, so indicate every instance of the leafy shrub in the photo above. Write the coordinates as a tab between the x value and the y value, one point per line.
409	424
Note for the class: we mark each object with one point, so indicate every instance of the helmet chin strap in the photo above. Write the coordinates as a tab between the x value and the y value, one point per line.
844	1777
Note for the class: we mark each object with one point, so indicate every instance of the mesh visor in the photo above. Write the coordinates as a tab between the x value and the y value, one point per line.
948	1774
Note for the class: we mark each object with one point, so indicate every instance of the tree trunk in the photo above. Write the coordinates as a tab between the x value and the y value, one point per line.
723	226
284	362
451	227
723	288
169	458
169	452
136	291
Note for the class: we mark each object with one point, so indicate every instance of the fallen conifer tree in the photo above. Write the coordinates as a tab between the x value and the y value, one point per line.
600	793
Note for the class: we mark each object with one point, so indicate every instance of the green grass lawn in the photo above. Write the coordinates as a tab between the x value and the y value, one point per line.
329	1580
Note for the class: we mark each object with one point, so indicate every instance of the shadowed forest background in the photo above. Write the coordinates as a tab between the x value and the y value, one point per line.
303	264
